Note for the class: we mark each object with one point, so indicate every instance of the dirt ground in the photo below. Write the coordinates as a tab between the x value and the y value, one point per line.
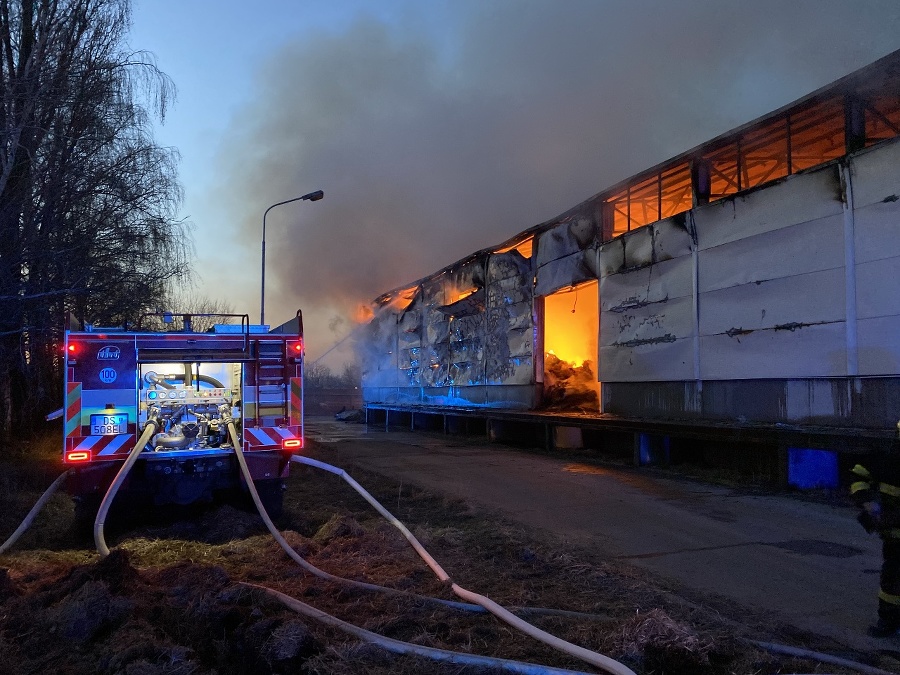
170	599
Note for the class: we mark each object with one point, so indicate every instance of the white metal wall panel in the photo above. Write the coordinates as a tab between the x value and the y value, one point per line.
669	279
803	299
648	363
812	351
554	244
563	272
807	247
658	321
879	345
639	248
877	231
796	199
612	257
671	239
876	174
878	290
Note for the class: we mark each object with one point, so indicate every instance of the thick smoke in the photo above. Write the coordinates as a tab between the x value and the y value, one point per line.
432	149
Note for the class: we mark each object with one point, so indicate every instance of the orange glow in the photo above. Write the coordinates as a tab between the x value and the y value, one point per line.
571	330
402	299
78	457
459	295
571	324
363	314
292	443
525	248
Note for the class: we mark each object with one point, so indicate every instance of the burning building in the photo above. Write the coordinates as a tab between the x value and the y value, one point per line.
750	280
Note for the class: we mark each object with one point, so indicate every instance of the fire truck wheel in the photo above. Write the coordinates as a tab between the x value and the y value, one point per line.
271	493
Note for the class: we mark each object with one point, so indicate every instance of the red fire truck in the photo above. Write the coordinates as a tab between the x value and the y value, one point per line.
190	382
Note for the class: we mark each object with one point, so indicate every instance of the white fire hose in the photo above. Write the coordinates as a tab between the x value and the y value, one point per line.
149	430
14	537
599	660
392	645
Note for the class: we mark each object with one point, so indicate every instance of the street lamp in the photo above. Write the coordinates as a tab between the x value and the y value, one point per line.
312	197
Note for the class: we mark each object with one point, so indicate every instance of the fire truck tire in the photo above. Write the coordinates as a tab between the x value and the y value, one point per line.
271	493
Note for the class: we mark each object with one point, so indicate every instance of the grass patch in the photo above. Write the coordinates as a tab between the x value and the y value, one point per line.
168	599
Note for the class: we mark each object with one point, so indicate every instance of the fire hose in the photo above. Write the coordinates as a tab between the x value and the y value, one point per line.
39	504
398	647
149	430
388	643
604	662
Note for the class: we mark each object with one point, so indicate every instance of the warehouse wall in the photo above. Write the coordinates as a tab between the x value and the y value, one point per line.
775	305
465	338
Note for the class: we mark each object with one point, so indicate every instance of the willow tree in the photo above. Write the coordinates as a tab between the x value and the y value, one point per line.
87	198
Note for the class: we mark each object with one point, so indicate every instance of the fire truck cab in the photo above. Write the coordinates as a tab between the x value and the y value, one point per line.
190	382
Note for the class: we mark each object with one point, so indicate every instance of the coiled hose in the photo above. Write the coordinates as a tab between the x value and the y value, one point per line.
604	662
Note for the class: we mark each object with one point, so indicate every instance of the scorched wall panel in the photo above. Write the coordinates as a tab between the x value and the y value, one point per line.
647	313
796	199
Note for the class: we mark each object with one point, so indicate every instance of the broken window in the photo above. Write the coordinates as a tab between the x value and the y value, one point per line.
882	118
764	154
675	189
817	134
723	169
525	248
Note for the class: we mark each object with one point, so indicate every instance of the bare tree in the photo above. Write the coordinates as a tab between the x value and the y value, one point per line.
205	313
87	199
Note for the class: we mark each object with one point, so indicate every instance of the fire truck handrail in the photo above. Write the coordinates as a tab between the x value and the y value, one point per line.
187	318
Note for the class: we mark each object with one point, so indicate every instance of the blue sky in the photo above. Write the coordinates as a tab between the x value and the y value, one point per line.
437	128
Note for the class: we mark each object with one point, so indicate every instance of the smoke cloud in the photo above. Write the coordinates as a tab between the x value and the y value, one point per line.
432	144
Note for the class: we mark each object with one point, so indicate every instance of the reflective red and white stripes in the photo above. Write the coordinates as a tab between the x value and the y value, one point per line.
101	446
270	437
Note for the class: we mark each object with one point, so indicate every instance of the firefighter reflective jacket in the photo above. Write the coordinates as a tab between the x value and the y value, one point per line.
879	484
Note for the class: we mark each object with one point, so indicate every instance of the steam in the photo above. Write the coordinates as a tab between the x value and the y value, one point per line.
429	149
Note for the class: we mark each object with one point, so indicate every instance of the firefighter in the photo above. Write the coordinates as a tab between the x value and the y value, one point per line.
876	491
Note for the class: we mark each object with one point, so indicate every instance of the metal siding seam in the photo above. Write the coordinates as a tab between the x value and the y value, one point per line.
850	271
695	300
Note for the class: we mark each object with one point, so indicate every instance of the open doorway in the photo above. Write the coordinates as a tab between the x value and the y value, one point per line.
571	331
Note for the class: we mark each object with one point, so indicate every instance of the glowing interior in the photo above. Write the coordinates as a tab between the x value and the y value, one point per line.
459	295
525	248
571	328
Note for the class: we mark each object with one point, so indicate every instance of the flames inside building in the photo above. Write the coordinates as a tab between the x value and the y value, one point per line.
749	279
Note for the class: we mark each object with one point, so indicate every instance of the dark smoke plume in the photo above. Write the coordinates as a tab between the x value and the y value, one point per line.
432	149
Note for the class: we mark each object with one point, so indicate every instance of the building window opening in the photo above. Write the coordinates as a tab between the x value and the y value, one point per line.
571	331
723	170
675	190
524	248
817	134
882	119
764	154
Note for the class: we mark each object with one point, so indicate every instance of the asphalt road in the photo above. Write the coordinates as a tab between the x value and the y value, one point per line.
810	563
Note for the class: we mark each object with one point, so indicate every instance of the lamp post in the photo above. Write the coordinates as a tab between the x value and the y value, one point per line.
312	197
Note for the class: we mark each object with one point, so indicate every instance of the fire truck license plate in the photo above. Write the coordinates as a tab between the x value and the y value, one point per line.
109	425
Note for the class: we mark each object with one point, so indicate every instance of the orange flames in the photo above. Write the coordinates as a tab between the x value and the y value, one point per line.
571	329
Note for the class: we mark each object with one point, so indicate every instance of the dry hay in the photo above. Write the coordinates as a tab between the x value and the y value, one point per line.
187	615
654	634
